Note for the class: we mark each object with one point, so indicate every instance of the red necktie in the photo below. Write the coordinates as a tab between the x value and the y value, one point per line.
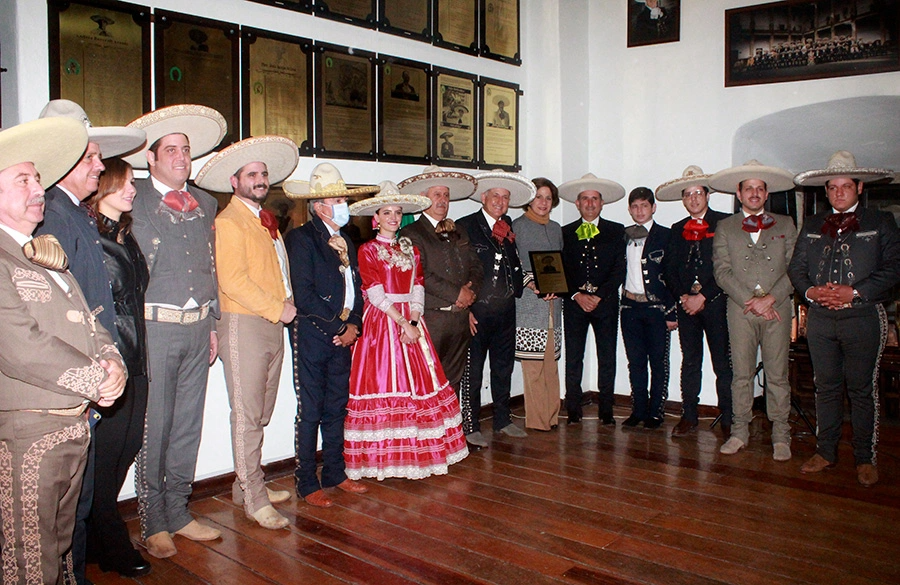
502	231
180	201
270	222
845	222
696	230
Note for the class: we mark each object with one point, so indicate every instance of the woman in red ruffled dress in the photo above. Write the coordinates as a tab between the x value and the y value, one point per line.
403	418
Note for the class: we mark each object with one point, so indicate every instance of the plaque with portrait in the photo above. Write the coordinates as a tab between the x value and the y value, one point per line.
358	12
549	276
298	5
345	102
197	63
277	86
404	112
500	30
408	18
456	25
499	123
100	59
454	135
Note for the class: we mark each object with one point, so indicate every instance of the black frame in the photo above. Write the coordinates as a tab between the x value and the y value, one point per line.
482	116
485	50
439	40
384	24
385	61
370	21
634	36
296	6
557	262
436	118
319	101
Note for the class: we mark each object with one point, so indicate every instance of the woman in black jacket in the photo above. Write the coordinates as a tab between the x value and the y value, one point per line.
119	434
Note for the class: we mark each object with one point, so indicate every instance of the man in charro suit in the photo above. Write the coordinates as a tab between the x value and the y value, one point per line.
845	264
55	357
594	262
453	273
751	251
173	224
325	280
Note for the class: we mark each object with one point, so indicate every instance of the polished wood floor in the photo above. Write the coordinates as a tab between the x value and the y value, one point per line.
578	505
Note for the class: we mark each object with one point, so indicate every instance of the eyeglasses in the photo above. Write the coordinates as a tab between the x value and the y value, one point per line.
694	193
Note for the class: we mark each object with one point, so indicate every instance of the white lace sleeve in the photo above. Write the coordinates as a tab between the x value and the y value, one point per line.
378	298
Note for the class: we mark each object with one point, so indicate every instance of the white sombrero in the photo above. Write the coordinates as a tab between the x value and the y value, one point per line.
112	140
521	190
461	185
776	179
390	195
204	127
610	191
279	153
325	181
671	190
53	145
841	164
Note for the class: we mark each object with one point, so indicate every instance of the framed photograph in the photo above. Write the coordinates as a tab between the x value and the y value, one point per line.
100	58
547	268
500	30
499	123
404	119
345	102
298	5
456	25
277	86
790	41
454	138
653	21
408	18
358	12
197	63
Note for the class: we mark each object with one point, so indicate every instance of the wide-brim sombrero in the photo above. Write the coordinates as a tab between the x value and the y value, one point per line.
692	176
280	155
112	140
610	191
461	185
841	164
203	126
521	190
389	194
325	181
776	179
53	145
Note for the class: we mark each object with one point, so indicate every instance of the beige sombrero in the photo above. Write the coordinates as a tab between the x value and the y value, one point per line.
610	191
325	181
279	153
53	145
112	140
204	127
671	190
390	195
521	190
776	179
461	185
841	164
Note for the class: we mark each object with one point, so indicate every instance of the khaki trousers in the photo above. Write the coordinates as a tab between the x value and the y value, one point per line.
541	380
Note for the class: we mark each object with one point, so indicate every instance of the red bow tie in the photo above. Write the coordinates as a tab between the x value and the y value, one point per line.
180	201
696	230
845	222
502	231
756	223
270	222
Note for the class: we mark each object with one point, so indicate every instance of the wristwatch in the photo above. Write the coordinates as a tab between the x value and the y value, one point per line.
857	299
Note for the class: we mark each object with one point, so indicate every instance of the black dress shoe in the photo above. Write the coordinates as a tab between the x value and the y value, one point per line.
608	421
653	423
726	430
632	421
574	418
134	566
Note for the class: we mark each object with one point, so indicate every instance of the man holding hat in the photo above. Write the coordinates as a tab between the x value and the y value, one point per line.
701	302
325	280
493	316
845	264
453	273
256	301
751	252
594	262
173	224
54	358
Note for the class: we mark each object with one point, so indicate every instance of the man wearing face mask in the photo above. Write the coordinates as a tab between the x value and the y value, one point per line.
325	280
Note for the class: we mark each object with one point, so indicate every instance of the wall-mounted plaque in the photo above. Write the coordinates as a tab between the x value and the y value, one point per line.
358	12
298	5
404	120
277	86
408	18
499	125
345	102
197	63
100	59
454	135
456	25
500	30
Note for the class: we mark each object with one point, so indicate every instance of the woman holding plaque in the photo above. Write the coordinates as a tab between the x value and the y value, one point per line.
539	316
403	418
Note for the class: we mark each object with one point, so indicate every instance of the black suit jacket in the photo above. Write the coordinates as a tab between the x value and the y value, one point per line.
595	266
682	267
508	282
652	268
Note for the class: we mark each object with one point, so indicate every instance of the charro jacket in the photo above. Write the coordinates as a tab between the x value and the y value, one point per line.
595	266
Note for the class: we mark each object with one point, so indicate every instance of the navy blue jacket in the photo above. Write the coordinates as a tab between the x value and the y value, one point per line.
652	266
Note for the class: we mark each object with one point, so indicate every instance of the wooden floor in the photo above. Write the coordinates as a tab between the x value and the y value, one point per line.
581	504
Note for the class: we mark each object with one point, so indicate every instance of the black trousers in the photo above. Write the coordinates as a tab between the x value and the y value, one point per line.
496	339
646	339
605	322
712	322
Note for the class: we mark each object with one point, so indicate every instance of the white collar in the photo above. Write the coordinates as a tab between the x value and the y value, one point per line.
74	199
18	236
254	210
433	221
163	188
851	210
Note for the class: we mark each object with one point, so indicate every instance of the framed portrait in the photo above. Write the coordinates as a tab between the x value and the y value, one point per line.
547	268
408	18
277	86
499	124
790	41
653	21
100	58
298	5
456	25
358	12
344	102
197	63
404	113
500	30
454	137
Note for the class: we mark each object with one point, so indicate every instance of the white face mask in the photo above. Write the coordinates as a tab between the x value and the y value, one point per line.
340	214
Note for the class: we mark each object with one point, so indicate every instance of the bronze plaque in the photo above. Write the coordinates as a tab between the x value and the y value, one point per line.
346	105
455	132
549	276
500	30
407	15
457	23
499	125
404	110
357	10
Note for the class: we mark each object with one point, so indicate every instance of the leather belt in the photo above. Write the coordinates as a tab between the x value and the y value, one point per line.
636	297
179	316
74	411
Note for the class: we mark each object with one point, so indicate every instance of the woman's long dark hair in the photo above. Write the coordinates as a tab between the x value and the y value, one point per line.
112	179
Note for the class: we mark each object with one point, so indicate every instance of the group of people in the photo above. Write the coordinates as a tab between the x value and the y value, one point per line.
119	294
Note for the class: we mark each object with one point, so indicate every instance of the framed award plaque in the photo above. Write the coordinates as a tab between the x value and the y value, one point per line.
456	25
404	110
499	123
358	12
500	30
454	138
408	18
298	5
345	102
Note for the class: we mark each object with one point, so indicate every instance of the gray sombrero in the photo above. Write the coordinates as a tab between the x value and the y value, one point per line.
279	153
776	179
521	190
112	140
324	181
461	185
204	127
671	190
53	145
390	195
841	164
610	191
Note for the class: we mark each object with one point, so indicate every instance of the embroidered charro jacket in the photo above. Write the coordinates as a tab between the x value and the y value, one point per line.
689	265
503	276
653	258
596	265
